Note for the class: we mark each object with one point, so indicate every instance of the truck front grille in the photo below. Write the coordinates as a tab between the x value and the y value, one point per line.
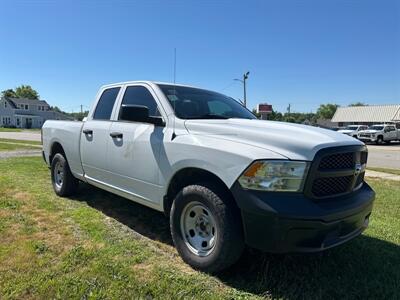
336	171
328	186
338	161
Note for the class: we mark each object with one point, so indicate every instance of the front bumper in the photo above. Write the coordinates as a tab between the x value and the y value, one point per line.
367	139
291	222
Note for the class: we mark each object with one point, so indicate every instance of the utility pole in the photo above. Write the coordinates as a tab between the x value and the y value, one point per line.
245	77
81	109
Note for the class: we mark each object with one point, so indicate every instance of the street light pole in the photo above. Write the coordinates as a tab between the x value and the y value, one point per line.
245	77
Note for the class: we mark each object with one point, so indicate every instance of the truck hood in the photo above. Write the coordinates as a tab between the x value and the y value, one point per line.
294	141
369	131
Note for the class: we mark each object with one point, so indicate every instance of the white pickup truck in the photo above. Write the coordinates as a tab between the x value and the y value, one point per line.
379	134
224	178
352	130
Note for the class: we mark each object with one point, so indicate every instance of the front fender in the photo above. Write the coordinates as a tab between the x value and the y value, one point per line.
225	159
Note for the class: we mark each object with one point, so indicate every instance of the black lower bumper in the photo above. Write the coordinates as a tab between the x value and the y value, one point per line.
291	222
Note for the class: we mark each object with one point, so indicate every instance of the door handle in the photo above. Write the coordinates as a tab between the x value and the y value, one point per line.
88	131
117	135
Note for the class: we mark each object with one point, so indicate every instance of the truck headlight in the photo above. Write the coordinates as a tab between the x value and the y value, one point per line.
275	175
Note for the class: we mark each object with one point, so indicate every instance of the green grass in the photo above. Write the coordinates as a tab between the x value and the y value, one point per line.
2	129
97	245
385	170
13	147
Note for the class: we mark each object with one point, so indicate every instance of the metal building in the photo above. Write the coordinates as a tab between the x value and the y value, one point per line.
368	115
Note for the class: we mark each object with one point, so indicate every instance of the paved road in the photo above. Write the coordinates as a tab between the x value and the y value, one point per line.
24	135
384	156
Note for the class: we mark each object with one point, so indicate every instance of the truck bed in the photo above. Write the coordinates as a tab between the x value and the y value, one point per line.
61	131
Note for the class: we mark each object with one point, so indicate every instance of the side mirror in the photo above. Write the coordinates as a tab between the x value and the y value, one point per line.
138	113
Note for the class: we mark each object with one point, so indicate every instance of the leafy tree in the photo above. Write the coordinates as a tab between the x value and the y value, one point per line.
57	109
26	91
358	104
22	91
289	118
326	111
79	115
8	93
258	115
275	116
76	115
300	118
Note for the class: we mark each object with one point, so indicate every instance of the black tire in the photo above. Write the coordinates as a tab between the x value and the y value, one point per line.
229	243
379	141
69	183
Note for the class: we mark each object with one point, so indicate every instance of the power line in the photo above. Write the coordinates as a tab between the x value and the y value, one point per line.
228	86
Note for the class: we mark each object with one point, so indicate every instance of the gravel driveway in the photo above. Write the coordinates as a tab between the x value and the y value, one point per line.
19	153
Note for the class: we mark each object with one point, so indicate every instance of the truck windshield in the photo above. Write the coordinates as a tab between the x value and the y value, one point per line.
375	127
193	103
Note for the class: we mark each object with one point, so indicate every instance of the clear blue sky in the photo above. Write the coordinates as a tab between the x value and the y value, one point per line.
299	52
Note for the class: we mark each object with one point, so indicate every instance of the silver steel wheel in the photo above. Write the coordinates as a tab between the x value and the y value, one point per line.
198	229
58	174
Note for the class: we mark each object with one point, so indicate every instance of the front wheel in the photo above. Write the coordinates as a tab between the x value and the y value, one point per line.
64	183
379	141
206	228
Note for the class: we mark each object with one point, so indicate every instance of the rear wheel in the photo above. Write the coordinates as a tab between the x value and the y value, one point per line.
64	183
206	228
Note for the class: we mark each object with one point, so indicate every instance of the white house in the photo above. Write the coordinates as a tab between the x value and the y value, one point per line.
27	113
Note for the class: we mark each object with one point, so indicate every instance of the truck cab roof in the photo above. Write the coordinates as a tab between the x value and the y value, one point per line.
149	82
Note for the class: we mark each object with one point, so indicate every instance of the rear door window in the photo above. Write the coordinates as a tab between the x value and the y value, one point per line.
105	104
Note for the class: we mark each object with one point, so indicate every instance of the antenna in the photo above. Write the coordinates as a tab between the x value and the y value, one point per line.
173	132
174	66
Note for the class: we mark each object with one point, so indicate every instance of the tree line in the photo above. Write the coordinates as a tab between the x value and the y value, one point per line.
325	111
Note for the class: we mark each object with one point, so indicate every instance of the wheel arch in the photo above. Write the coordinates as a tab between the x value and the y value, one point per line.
188	176
55	148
